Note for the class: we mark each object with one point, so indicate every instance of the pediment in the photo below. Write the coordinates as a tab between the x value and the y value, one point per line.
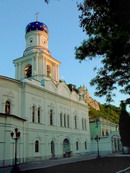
63	90
74	96
51	86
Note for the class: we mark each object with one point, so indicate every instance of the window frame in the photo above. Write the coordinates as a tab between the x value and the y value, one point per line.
7	107
61	122
85	145
68	120
75	122
39	114
64	120
36	146
33	113
28	71
51	117
77	145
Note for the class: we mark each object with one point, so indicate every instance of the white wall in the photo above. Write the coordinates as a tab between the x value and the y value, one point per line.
23	97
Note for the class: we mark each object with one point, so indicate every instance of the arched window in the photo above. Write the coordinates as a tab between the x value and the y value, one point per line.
75	122
66	145
68	120
51	117
64	120
36	146
28	71
107	133
85	126
39	111
48	71
102	132
77	145
7	107
52	148
61	119
82	123
85	145
33	113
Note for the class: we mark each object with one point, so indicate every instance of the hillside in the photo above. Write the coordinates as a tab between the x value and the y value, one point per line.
109	112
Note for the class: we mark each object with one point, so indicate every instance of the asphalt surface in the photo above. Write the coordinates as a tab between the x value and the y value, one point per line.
57	161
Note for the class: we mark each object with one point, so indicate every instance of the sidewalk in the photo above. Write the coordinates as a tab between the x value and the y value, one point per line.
58	161
54	162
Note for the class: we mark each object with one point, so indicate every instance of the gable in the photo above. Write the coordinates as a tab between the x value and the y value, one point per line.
74	96
63	90
50	86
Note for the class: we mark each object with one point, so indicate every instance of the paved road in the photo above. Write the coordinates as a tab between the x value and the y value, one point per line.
53	162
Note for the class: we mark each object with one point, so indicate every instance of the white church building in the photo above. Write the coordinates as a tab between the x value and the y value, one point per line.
52	120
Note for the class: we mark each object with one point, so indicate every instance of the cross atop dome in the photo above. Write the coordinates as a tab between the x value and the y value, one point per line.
37	13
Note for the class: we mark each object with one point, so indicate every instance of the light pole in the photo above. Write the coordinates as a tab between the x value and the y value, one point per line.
15	135
97	139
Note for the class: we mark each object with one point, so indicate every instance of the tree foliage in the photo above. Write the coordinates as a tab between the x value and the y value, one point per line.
109	112
46	1
73	87
124	125
107	23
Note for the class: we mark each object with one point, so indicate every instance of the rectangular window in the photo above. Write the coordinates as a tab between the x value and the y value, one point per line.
75	122
36	146
39	115
68	121
61	119
64	120
77	146
51	118
33	114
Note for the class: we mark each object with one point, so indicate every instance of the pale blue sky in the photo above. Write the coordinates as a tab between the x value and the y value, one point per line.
61	17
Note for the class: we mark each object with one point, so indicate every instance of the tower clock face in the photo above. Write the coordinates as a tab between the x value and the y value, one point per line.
30	41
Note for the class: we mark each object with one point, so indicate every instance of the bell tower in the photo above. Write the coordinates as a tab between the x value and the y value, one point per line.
36	37
37	62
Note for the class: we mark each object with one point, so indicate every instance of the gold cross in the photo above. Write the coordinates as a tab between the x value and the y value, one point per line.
37	13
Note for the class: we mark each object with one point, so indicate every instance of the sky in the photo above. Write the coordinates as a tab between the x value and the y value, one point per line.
65	33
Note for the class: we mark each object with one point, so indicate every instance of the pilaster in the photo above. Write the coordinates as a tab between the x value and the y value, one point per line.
33	66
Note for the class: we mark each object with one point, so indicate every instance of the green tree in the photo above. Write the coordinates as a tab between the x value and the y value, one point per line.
46	1
107	24
109	112
73	88
124	125
93	113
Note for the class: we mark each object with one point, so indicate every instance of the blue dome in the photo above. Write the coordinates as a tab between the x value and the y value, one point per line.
33	26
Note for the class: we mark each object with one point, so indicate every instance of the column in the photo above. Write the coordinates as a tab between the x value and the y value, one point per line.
36	114
45	68
16	71
36	65
20	70
42	65
53	71
57	70
33	67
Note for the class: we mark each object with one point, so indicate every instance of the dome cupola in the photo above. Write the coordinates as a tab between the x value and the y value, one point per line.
36	26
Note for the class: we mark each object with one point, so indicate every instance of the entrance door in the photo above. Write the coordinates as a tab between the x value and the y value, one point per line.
52	149
116	143
66	145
